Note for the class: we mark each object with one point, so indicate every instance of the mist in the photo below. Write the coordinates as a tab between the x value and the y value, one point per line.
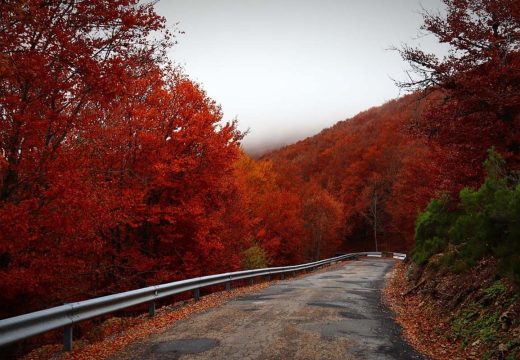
287	69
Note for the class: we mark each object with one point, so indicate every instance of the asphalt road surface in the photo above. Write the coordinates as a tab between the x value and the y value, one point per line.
335	314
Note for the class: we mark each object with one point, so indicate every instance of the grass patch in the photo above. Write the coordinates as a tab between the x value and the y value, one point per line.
498	288
470	326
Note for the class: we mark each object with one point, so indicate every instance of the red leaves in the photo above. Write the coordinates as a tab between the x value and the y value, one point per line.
114	170
262	213
426	326
323	219
479	82
372	170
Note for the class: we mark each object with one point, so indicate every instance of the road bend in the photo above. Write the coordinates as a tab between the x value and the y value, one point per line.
337	314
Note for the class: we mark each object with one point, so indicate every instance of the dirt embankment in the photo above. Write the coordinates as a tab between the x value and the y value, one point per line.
471	315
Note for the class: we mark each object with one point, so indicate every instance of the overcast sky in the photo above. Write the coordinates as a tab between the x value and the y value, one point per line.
288	68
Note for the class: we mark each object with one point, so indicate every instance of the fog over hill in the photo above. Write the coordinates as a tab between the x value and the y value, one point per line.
287	69
257	147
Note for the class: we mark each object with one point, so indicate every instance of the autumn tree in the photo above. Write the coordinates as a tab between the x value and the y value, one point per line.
418	180
114	166
62	64
323	217
180	163
478	80
274	212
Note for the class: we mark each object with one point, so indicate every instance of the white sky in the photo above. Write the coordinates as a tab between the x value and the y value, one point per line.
289	68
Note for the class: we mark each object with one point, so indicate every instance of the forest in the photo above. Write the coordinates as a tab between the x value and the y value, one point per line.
117	171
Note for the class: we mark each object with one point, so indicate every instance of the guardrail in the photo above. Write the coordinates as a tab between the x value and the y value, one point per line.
65	316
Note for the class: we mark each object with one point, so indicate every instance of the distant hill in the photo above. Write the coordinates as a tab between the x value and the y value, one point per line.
375	166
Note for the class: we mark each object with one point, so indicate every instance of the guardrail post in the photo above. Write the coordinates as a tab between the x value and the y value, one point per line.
196	294
282	276
151	308
294	274
228	285
251	281
67	338
268	277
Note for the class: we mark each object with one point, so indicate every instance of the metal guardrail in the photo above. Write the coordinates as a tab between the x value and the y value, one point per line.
65	316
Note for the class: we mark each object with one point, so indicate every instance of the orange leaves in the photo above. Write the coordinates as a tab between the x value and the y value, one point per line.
425	327
323	218
264	213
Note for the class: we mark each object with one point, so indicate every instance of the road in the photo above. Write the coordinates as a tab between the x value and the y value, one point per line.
335	314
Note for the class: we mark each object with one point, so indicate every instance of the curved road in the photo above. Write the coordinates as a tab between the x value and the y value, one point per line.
327	315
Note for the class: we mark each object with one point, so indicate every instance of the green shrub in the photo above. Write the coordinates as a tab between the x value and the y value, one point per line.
431	230
470	325
495	290
435	220
425	249
254	258
486	221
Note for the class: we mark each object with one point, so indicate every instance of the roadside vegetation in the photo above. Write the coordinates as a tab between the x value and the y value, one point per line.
461	297
482	222
463	280
469	315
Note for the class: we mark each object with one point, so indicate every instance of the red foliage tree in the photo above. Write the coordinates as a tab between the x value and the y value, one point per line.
113	166
180	166
273	213
62	64
323	217
479	83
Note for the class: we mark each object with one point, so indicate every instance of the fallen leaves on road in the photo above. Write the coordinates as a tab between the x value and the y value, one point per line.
423	327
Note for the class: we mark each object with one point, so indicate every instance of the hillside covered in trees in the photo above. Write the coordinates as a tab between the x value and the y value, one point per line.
386	164
375	167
